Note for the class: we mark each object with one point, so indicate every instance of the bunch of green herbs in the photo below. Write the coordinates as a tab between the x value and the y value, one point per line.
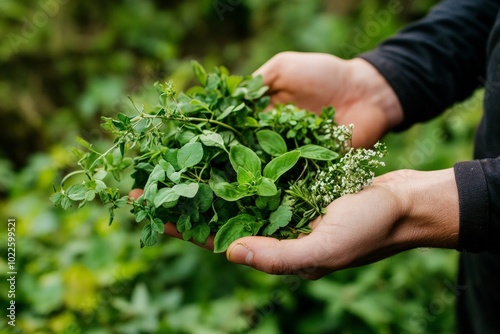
213	160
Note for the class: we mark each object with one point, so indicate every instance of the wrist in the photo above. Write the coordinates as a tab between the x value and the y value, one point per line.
376	91
428	215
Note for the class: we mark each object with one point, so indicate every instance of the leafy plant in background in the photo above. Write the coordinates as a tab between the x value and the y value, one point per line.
212	160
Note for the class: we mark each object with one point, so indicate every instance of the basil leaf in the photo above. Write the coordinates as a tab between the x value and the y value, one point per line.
233	229
241	156
266	187
280	165
271	142
189	155
228	191
316	152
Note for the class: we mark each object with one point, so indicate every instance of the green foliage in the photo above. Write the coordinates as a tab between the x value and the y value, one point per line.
189	140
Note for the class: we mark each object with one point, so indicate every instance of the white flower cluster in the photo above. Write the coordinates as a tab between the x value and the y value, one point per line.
340	134
350	174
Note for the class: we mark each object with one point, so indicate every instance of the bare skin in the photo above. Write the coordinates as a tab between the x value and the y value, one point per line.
402	210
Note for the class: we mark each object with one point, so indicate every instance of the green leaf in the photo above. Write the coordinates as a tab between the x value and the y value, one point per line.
244	176
199	72
189	155
232	83
200	233
165	195
228	191
251	122
148	236
266	187
279	218
271	142
65	203
56	198
83	142
230	110
233	229
184	223
280	165
212	139
157	225
204	198
141	215
241	156
100	174
76	192
317	152
158	174
186	190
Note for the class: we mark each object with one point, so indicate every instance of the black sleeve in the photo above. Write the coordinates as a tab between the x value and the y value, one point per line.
438	60
478	184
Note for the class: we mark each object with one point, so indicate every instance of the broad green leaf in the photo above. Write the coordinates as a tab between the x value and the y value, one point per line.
204	198
141	215
190	154
176	176
200	233
186	190
279	218
165	195
157	225
317	152
148	236
184	223
228	191
76	192
199	72
212	139
266	187
244	176
271	142
241	156
280	165
233	229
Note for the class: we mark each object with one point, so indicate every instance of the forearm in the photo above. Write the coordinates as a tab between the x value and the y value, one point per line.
438	60
428	214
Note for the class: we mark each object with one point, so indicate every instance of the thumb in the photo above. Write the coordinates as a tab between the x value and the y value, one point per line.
274	256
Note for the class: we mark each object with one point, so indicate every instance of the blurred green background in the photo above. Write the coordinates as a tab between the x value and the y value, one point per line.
65	63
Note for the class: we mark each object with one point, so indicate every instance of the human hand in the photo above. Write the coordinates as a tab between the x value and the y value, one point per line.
401	211
354	87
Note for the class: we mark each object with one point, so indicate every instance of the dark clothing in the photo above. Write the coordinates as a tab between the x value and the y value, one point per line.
431	65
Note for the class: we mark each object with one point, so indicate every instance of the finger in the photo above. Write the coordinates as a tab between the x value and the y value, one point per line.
298	256
135	193
269	74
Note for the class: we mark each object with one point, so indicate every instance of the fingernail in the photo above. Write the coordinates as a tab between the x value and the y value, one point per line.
241	254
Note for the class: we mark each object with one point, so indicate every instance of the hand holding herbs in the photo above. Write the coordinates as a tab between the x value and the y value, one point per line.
211	160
